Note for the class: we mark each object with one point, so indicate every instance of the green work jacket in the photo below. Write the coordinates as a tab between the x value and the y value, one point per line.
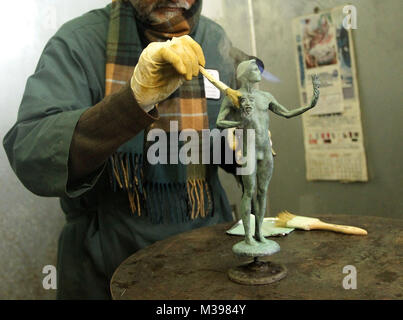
100	231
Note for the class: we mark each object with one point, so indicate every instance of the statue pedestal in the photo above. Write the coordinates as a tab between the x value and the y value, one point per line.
257	272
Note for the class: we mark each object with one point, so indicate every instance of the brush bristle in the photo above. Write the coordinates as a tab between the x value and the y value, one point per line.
283	217
234	95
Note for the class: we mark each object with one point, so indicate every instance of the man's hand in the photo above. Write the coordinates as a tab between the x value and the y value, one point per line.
163	67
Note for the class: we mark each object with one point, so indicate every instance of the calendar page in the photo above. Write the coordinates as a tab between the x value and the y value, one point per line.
333	135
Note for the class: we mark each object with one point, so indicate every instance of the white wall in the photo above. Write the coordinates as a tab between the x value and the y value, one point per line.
25	27
29	225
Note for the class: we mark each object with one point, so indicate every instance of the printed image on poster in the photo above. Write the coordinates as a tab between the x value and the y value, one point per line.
319	41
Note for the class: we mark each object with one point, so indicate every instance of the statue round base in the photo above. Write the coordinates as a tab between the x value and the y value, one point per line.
257	273
259	249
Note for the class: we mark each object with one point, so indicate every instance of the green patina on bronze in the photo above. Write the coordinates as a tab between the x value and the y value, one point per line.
257	154
253	114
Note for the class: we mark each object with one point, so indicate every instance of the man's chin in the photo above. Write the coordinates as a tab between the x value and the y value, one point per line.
162	15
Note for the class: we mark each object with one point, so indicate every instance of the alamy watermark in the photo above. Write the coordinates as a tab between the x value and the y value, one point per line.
190	153
350	280
350	20
50	280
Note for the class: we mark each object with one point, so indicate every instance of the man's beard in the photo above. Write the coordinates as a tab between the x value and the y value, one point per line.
146	9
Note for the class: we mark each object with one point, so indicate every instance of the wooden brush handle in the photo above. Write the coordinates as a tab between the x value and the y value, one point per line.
234	95
339	228
217	83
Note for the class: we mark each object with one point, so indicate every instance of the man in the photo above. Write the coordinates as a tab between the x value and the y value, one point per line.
82	127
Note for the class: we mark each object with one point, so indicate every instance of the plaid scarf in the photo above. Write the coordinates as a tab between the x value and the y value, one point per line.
173	192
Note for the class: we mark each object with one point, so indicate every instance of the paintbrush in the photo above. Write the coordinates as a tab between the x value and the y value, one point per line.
288	220
234	95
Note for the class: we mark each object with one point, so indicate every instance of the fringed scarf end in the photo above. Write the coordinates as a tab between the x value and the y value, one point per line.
126	174
176	202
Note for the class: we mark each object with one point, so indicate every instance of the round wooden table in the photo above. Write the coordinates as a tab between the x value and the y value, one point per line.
194	265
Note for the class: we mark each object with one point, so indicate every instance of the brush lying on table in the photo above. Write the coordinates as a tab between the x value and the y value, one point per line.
288	220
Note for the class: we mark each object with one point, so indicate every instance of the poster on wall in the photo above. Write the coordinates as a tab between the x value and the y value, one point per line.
333	135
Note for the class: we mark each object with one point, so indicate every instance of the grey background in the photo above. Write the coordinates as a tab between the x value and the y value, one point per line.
29	225
378	45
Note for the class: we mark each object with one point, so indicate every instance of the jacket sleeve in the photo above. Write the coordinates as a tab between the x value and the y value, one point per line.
57	113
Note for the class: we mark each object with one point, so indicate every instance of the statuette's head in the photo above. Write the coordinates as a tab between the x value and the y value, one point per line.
248	71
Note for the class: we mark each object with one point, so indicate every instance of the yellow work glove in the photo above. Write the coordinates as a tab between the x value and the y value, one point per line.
163	67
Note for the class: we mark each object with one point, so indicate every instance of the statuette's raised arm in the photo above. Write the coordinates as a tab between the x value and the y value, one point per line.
277	108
